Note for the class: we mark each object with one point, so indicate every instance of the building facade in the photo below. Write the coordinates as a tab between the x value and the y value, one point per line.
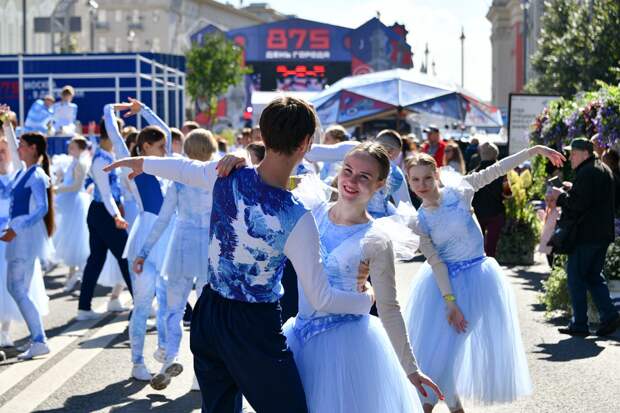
161	26
512	51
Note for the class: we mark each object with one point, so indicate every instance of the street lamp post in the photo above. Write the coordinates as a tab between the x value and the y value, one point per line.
93	6
462	56
525	5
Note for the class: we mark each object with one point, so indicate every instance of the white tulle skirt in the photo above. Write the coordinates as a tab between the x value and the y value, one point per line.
111	274
187	253
138	235
8	309
352	367
485	365
71	236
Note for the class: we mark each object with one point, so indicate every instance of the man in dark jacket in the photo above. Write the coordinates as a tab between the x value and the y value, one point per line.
589	204
488	202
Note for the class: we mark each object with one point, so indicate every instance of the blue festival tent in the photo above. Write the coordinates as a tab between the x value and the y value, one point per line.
355	99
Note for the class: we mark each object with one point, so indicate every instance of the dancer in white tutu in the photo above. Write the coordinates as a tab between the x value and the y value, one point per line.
348	362
149	192
30	225
475	353
187	258
9	311
72	201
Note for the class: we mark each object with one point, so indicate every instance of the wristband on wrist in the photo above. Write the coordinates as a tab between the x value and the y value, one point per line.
449	298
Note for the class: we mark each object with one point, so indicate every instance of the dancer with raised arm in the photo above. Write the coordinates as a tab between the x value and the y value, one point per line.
236	333
474	353
149	191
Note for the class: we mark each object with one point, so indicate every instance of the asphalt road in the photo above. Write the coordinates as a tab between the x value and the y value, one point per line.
89	369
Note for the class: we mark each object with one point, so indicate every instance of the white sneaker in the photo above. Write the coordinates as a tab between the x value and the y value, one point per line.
83	315
35	350
163	378
195	385
115	306
160	355
140	372
5	340
71	282
173	369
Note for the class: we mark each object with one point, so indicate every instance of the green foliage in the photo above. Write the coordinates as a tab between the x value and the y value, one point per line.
212	68
611	270
539	178
579	44
522	230
555	295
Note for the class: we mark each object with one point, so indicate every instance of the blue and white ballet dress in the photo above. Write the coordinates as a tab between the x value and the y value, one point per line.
8	308
149	192
72	202
487	363
65	115
39	115
187	255
347	362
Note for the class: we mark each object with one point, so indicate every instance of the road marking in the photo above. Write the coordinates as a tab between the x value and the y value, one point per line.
17	372
50	381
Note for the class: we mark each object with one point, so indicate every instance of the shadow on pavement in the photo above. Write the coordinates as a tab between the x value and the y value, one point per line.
572	348
113	394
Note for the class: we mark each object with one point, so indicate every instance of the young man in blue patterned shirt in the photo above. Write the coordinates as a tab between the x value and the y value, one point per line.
256	223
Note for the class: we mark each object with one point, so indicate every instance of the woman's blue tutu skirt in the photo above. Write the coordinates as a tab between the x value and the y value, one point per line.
187	255
138	235
71	236
487	363
352	367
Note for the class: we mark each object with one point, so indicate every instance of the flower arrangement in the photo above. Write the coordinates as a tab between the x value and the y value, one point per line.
522	230
608	117
585	115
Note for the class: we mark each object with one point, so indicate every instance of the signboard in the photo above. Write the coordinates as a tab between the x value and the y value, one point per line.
522	110
296	76
293	40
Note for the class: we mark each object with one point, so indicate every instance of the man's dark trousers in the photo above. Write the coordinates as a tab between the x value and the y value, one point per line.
239	349
103	236
584	270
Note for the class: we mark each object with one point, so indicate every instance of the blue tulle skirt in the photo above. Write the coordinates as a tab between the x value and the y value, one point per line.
352	367
485	365
71	236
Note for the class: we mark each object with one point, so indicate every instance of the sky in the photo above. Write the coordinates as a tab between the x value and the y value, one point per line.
437	22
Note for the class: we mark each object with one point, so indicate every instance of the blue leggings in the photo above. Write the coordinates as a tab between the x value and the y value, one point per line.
146	285
19	276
